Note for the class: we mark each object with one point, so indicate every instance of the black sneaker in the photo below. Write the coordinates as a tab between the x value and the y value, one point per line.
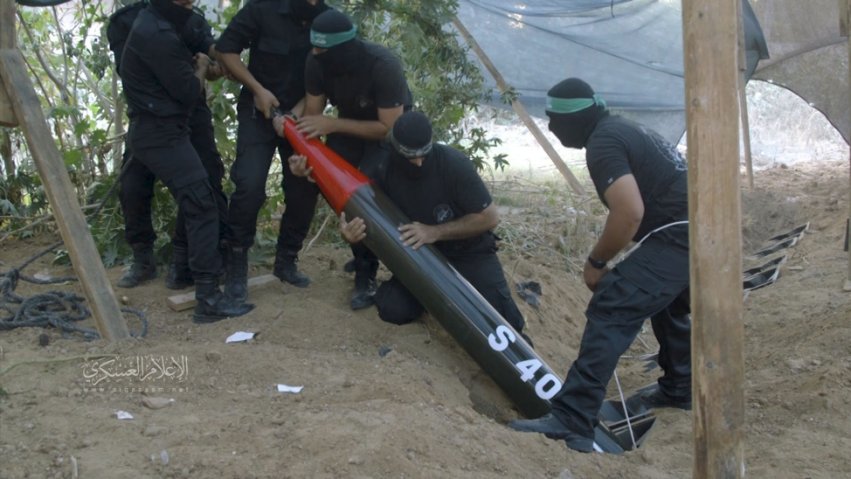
364	294
655	398
551	426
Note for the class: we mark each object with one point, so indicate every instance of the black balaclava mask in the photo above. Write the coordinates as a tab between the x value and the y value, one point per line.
175	14
574	110
334	32
303	11
411	138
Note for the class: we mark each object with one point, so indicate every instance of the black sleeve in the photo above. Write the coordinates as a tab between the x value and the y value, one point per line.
469	191
241	31
391	86
118	29
166	57
197	34
607	159
313	83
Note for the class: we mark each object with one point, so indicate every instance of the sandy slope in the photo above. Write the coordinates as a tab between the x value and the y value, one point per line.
424	409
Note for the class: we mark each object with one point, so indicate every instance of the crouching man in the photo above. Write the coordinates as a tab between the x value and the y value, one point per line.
438	188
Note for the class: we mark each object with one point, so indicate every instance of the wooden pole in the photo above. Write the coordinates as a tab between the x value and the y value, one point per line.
746	129
7	40
743	99
518	107
846	17
710	32
72	224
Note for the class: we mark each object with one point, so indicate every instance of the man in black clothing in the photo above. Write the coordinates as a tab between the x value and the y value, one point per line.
162	87
438	188
137	181
276	32
642	179
367	84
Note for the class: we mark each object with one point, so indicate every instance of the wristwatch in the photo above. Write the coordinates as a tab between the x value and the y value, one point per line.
596	263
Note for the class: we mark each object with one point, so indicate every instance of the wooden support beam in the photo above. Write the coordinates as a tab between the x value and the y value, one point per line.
7	40
7	115
743	98
72	224
518	107
7	25
746	130
710	32
846	15
184	301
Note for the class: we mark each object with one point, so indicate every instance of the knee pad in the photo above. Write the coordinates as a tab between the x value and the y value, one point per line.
395	304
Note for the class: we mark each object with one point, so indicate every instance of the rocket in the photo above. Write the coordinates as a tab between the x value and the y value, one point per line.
483	333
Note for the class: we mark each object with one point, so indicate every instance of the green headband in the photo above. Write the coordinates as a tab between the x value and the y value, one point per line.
328	40
407	152
572	105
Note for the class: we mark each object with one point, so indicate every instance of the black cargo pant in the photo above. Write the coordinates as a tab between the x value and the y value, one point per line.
651	283
176	163
137	184
256	143
370	158
397	305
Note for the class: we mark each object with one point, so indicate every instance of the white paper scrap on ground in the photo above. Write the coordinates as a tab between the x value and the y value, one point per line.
123	415
239	337
283	388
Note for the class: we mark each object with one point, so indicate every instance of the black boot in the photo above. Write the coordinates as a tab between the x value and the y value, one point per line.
287	271
236	278
144	268
212	305
179	275
363	295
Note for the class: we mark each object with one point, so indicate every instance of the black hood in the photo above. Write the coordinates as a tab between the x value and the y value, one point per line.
173	13
340	59
573	129
305	12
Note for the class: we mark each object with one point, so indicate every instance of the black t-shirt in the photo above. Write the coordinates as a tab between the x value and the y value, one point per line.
278	45
448	189
620	147
378	81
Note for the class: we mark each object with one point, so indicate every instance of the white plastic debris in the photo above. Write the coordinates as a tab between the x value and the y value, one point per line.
283	388
123	415
240	336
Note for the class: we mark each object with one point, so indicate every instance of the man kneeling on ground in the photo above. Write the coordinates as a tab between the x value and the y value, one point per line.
438	188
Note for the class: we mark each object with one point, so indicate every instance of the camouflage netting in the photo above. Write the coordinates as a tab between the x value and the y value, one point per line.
808	55
631	52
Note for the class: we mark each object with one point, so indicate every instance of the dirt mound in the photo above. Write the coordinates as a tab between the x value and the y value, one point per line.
387	401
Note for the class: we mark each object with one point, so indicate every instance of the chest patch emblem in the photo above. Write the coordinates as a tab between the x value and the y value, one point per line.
443	213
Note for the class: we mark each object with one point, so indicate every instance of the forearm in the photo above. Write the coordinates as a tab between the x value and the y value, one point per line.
368	130
465	227
237	69
298	108
201	75
617	233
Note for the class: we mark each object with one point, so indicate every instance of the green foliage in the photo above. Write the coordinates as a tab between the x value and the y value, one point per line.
67	55
446	85
22	200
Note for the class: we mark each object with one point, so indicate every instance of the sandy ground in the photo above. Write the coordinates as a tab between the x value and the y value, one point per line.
386	401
